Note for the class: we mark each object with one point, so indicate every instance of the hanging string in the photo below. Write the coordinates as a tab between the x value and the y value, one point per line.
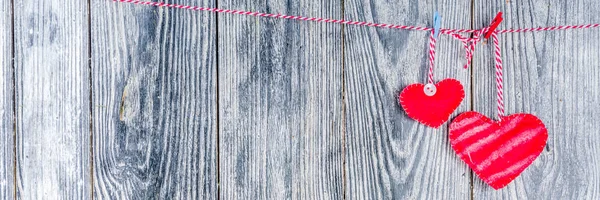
348	22
469	43
499	80
432	42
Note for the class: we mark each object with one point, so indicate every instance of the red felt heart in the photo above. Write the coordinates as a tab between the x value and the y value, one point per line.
498	151
434	110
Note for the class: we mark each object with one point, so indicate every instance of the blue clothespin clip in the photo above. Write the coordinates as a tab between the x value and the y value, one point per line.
437	23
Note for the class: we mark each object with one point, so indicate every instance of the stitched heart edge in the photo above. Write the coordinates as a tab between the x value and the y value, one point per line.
489	120
400	101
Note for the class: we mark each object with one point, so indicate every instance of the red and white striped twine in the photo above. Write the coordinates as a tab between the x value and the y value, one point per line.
348	22
499	80
432	41
469	43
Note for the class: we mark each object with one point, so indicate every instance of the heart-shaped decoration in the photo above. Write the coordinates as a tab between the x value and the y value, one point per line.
433	110
498	151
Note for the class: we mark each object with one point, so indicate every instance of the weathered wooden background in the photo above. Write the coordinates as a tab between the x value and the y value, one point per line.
108	100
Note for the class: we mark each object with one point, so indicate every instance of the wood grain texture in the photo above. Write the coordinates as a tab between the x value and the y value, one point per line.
388	155
52	88
154	101
556	76
280	102
6	104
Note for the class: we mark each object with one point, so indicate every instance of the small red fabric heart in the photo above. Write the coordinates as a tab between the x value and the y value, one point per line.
498	151
434	110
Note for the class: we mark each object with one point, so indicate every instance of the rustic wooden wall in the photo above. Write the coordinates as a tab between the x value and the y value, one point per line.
7	177
122	101
154	102
51	62
280	103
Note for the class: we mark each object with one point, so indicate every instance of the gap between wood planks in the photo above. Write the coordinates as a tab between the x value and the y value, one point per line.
218	129
14	97
472	92
344	177
89	7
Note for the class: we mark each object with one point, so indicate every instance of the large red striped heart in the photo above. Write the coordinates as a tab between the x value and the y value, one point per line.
434	110
498	151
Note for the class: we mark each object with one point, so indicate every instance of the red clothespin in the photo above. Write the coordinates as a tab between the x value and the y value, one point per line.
494	25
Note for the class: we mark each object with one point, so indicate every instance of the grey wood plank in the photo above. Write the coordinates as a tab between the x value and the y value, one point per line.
52	88
7	177
556	76
280	102
154	101
389	155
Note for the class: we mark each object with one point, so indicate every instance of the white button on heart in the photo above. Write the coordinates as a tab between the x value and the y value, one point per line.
429	89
